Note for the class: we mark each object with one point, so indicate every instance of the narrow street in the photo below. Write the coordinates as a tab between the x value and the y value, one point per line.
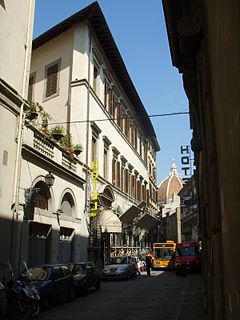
160	296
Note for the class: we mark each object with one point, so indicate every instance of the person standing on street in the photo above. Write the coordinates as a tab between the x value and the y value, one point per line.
149	261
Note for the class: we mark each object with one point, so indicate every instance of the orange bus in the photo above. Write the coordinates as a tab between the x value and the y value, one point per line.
163	254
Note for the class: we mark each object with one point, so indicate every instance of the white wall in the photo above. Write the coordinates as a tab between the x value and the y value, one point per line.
16	27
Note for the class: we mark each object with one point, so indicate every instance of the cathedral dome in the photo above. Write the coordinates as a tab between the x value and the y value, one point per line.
170	185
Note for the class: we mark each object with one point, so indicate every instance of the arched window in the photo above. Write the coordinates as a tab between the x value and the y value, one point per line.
41	199
67	205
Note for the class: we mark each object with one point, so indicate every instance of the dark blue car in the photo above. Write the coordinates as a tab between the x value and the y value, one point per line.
54	282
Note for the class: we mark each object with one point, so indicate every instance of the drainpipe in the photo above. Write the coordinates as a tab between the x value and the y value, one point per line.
28	49
17	173
15	199
87	123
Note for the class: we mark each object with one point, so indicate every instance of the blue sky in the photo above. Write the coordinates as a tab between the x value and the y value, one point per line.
138	28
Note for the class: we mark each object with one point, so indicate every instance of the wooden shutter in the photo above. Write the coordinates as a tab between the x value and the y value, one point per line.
126	180
118	174
110	106
52	73
30	88
113	172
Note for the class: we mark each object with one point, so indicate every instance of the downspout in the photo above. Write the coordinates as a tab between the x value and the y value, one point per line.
87	123
15	199
17	174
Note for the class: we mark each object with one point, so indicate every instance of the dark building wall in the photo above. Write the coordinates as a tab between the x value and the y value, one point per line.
222	27
205	47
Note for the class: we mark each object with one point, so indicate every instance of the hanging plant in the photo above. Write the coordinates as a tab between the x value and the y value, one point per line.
57	133
77	149
32	112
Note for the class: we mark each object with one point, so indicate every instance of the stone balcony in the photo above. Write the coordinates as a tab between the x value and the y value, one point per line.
41	144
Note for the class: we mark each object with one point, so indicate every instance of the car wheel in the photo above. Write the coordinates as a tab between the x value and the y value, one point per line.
71	294
34	309
98	285
83	291
45	302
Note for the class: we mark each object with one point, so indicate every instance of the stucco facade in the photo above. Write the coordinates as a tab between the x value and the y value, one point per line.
93	104
16	27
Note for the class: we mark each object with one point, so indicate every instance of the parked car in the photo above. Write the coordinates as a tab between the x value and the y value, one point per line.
122	267
54	282
3	301
85	275
187	258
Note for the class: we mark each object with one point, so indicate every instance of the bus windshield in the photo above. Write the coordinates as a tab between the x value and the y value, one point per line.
163	253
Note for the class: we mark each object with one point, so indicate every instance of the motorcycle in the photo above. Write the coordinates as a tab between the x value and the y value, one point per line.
22	298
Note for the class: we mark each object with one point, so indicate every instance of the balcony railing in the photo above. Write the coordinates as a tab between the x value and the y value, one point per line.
43	145
35	139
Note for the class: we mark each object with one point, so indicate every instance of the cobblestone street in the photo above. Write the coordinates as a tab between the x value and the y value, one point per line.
160	296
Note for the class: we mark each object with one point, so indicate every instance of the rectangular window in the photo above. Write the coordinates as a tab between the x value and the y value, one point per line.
52	79
122	178
132	186
115	107
136	138
110	102
147	193
118	114
132	134
121	117
114	171
105	163
118	174
96	78
139	191
94	149
126	181
32	81
105	94
127	126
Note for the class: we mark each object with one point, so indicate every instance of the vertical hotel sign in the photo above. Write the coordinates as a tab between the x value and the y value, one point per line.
186	162
94	194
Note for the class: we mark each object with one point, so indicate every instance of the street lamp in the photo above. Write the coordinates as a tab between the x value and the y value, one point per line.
49	179
30	195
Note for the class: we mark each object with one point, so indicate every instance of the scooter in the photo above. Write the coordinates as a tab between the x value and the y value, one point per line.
22	298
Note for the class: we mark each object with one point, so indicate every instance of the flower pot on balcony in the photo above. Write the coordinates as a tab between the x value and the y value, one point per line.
57	136
77	149
77	152
31	115
57	133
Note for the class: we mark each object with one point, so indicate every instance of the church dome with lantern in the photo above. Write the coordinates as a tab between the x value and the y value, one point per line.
170	185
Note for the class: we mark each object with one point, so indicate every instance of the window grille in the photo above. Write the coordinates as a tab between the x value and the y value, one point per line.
52	80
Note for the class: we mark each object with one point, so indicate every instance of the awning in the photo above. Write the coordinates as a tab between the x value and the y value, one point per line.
128	216
147	222
110	222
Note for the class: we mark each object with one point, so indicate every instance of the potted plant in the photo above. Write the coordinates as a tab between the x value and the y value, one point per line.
66	144
77	149
57	132
32	112
45	117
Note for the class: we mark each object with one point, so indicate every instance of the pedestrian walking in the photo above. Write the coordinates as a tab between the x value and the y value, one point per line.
149	261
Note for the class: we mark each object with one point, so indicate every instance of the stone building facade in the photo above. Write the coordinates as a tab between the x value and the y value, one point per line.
103	200
205	47
16	39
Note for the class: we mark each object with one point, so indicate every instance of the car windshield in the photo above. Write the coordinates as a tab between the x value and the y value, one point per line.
79	268
163	253
187	251
38	273
118	260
